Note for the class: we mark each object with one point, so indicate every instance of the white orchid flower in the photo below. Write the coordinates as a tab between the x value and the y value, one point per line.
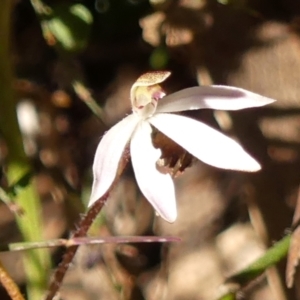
200	140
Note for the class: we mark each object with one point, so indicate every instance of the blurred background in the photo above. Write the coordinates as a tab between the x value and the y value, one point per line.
74	63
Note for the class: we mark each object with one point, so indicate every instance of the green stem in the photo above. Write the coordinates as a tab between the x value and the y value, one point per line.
84	94
36	262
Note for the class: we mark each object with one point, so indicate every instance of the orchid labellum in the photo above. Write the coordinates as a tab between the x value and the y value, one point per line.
150	107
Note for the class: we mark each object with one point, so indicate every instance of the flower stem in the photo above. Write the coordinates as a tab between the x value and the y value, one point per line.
83	227
82	230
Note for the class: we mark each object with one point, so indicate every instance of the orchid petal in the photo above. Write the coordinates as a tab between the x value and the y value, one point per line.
213	97
157	187
108	155
211	146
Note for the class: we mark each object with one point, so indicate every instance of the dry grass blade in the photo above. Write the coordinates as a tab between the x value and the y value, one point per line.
294	251
77	241
9	285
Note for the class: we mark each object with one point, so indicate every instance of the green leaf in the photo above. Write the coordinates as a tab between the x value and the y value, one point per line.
229	296
272	256
70	26
36	262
